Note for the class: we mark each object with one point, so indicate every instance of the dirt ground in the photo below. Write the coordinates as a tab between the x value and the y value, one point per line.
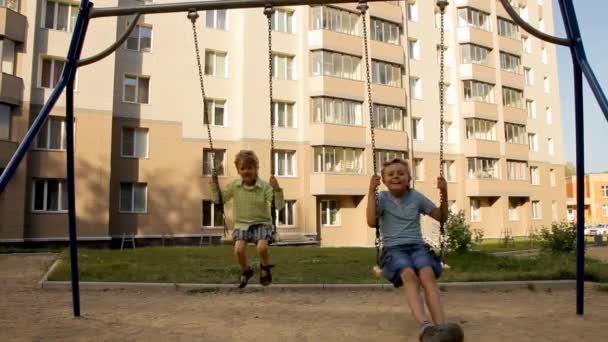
28	313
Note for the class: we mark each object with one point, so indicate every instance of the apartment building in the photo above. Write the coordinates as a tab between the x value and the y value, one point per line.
143	162
596	198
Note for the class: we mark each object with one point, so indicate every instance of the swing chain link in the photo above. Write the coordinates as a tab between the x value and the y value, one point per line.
442	200
193	16
269	12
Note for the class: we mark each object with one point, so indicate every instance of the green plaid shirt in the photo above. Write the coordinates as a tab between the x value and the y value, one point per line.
251	205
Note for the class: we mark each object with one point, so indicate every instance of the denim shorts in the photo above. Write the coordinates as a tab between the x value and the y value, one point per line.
415	256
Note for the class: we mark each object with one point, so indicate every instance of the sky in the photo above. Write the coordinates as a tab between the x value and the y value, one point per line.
591	16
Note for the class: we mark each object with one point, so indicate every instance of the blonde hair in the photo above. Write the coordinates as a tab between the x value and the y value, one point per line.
246	156
390	162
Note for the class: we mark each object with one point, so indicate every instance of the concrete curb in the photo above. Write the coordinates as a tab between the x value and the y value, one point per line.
45	277
540	285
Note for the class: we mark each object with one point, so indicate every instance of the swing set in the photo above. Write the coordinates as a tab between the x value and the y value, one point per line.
87	12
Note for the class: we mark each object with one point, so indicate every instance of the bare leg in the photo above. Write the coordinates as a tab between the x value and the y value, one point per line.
263	252
411	285
433	298
240	251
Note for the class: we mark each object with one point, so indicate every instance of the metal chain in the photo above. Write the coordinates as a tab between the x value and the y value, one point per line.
442	200
193	16
363	8
269	11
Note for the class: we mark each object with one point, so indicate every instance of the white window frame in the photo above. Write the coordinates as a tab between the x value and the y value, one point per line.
544	57
515	134
537	210
551	146
527	44
517	170
137	78
291	213
418	169
394	125
529	76
549	115
323	65
72	5
54	60
7	56
449	170
412	11
483	168
293	160
139	38
136	130
531	108
391	71
207	151
533	142
288	21
416	89
214	24
333	19
327	213
604	189
320	106
212	105
5	116
385	31
212	209
507	28
546	85
512	97
605	209
474	54
418	129
478	91
514	209
413	48
552	179
61	184
288	105
289	73
132	211
212	70
325	151
62	138
534	175
475	210
474	129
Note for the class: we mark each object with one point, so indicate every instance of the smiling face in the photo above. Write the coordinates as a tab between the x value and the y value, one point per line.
396	177
248	171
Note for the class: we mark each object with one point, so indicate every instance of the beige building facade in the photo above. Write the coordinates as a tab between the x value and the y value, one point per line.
142	156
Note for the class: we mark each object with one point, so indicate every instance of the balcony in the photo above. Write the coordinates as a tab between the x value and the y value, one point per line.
512	79
482	5
13	25
478	72
391	139
11	89
337	87
516	151
497	188
488	110
335	41
511	45
389	95
481	148
339	184
515	115
384	10
337	135
474	35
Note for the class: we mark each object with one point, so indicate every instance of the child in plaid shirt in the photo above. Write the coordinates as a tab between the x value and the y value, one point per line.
252	198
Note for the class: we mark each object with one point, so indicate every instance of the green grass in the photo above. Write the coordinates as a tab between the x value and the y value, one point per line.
305	265
498	245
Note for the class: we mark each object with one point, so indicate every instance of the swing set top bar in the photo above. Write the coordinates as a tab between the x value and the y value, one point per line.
207	5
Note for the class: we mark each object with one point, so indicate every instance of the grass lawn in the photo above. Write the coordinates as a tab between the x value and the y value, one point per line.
304	265
498	245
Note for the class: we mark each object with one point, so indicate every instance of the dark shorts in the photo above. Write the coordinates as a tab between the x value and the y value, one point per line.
254	233
395	259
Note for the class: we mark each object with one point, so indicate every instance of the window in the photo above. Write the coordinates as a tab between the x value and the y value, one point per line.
549	115
215	63
478	91
140	39
385	155
216	112
286	217
283	67
283	114
412	11
507	28
336	111
10	4
551	146
452	206
481	129
474	54
471	17
417	129
534	175
536	210
512	97
334	19
216	19
605	191
529	76
546	85
282	21
509	62
543	55
531	108
605	209
50	195
60	15
483	168
517	170
449	134
416	88
533	142
514	203
475	210
333	159
552	177
52	136
5	122
384	31
284	163
541	24
50	72
523	12
213	158
7	56
449	170
413	48
554	210
134	142
336	64
527	44
330	214
212	215
388	117
447	56
136	89
386	73
515	134
418	169
133	197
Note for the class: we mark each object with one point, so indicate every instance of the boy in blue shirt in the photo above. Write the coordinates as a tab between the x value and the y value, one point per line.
406	259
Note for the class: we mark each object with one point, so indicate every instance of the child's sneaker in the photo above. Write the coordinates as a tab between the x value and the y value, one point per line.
450	332
427	333
245	277
265	275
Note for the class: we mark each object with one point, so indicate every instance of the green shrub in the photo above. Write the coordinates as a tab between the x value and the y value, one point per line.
560	238
458	233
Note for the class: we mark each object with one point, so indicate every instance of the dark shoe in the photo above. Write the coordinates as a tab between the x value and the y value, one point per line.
428	334
245	277
265	275
449	332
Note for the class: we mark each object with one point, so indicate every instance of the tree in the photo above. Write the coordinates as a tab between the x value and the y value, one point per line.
570	169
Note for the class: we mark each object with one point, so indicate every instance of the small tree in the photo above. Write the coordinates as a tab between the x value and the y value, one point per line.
560	238
478	236
458	233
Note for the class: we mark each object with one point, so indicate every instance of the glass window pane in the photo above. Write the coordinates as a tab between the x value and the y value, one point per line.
62	16
64	195
219	114
39	194
143	90
221	19
130	85
52	201
140	198
141	143
220	64
126	197
57	70
132	41
50	15
128	141
56	125
206	213
146	39
45	78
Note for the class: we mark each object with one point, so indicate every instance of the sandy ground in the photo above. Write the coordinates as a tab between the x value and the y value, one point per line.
28	313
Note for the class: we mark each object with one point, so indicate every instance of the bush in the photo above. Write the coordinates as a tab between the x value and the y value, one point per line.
478	235
458	233
560	238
